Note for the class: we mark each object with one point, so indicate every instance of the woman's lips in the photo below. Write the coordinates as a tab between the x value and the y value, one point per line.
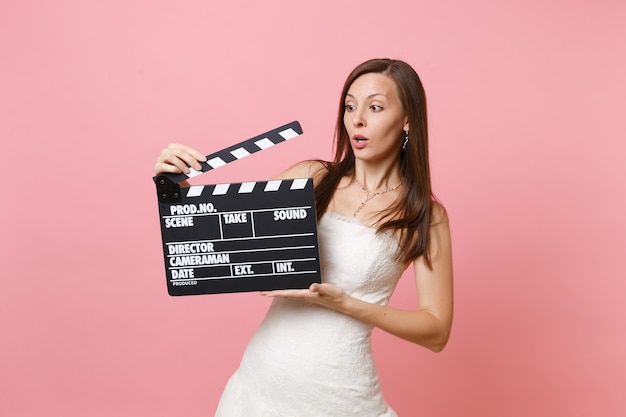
359	142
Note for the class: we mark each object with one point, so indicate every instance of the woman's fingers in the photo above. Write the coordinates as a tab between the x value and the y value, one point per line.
177	158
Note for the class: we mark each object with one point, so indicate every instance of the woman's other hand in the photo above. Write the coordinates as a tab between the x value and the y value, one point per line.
327	295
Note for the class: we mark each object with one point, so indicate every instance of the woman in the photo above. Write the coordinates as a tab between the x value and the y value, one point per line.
311	356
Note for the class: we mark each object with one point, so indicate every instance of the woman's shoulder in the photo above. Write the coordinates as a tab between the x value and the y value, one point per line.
439	214
306	169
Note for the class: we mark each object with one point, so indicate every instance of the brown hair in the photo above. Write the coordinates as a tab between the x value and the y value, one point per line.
412	212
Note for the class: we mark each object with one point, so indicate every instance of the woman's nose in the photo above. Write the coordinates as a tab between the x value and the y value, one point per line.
358	120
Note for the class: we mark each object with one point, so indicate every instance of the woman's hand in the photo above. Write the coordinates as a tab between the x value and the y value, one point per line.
177	158
327	295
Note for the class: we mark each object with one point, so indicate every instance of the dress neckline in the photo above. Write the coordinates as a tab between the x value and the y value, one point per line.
356	221
347	219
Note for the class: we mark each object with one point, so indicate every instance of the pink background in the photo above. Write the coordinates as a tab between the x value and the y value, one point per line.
527	104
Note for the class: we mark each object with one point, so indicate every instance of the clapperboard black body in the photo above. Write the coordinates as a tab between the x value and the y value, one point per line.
238	237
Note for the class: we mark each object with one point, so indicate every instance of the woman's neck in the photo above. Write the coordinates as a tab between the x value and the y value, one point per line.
377	178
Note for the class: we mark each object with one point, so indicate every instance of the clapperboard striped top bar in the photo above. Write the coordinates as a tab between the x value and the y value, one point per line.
243	149
245	187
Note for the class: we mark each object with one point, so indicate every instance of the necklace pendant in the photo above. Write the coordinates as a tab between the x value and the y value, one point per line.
360	207
368	197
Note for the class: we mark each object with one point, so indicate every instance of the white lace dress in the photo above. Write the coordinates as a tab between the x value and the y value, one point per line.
309	361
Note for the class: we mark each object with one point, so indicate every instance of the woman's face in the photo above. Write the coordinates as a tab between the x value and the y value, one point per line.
374	118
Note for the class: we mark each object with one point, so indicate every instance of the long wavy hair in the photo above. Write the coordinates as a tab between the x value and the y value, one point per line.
411	214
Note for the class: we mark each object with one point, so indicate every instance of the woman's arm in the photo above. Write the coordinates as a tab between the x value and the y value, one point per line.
430	324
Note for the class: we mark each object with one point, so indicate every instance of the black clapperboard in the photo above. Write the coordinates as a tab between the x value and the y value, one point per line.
250	236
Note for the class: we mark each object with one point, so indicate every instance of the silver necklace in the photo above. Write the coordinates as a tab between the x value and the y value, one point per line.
368	197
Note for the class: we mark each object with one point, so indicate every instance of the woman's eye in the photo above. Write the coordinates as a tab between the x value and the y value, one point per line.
376	107
349	107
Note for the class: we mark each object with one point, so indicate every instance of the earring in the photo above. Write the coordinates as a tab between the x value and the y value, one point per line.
406	140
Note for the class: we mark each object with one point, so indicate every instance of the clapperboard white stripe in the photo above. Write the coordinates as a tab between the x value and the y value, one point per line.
195	191
299	184
216	162
264	143
240	153
246	187
193	173
273	185
221	189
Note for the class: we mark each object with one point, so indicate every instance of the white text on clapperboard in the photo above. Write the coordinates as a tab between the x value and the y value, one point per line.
183	255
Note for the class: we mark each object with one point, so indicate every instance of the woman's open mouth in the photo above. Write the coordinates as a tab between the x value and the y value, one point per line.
359	141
